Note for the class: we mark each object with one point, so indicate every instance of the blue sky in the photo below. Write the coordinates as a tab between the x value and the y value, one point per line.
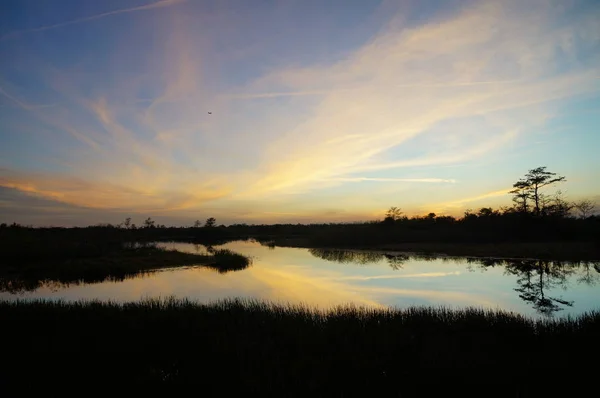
319	112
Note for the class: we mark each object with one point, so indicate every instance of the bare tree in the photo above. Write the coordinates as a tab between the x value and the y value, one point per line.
210	222
585	207
557	205
197	224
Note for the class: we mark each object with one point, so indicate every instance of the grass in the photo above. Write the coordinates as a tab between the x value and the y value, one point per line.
226	260
251	347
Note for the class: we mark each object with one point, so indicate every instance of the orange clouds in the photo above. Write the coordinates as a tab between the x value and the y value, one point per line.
104	195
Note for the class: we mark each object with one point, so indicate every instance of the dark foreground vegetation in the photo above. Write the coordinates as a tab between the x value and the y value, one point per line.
259	348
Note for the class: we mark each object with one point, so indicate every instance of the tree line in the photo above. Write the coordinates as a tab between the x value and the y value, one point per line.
529	199
537	214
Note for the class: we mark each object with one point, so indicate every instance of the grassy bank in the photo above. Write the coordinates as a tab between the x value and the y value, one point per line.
259	348
100	264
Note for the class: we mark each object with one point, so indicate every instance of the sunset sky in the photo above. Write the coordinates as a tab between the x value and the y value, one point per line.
321	110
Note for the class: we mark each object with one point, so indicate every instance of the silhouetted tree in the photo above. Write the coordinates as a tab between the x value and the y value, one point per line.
469	215
520	198
585	208
557	205
393	214
197	224
529	188
487	212
149	223
127	223
445	219
210	222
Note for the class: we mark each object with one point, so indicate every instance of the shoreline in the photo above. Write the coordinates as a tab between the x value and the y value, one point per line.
552	251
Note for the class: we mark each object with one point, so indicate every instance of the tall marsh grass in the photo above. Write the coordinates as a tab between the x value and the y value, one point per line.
252	347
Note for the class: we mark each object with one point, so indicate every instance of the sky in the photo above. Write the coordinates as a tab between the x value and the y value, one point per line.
293	110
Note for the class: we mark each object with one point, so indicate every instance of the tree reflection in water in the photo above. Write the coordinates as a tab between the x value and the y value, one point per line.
361	257
534	277
537	277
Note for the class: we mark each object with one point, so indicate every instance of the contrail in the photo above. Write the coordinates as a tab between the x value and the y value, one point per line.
158	4
329	91
22	104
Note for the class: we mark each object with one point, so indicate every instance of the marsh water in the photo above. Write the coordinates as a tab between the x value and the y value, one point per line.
327	278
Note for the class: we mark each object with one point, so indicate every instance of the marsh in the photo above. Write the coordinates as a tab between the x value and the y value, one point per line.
326	278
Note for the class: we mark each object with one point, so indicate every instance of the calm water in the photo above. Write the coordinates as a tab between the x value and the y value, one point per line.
327	278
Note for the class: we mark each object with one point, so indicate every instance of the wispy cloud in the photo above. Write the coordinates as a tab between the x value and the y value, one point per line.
277	94
107	195
411	97
150	6
349	90
378	179
493	194
403	84
455	207
442	157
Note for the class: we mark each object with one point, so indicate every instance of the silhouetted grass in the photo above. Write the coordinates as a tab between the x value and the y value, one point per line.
226	260
249	347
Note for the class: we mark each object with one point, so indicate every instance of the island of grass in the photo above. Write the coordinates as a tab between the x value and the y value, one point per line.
30	264
257	348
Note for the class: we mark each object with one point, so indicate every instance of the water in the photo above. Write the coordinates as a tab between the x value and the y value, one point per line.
327	278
